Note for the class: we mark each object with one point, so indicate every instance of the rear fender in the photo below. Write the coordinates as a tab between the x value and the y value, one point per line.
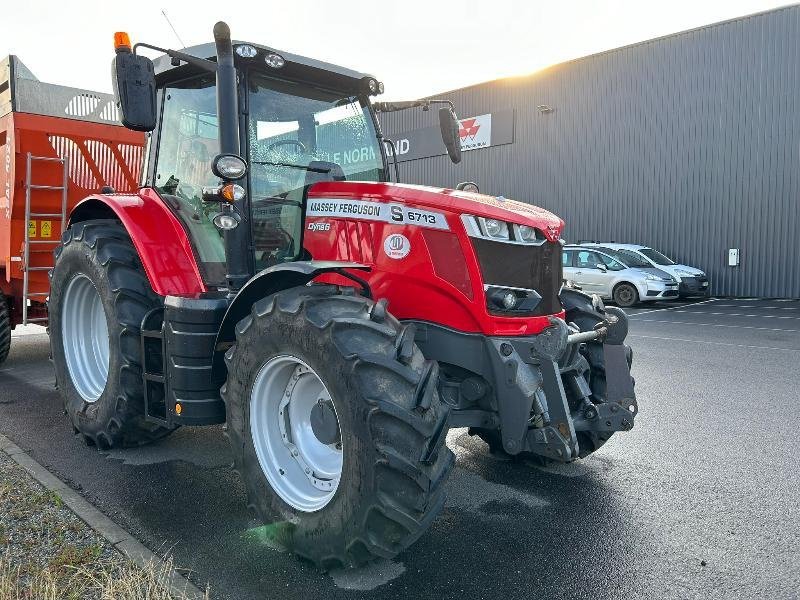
160	239
271	280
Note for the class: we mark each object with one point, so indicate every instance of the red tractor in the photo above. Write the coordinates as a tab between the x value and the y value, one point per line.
267	275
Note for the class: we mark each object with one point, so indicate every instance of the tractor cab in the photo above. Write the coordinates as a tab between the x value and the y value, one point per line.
300	122
295	121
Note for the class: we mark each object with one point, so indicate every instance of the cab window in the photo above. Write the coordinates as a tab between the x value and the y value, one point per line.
187	145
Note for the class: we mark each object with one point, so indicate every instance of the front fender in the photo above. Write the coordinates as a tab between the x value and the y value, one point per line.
273	279
160	239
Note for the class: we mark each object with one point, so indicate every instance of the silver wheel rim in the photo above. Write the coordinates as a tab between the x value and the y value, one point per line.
85	337
302	470
625	295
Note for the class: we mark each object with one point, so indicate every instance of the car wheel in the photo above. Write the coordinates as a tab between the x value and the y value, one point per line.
625	295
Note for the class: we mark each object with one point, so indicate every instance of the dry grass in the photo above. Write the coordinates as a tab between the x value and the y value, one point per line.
48	553
115	579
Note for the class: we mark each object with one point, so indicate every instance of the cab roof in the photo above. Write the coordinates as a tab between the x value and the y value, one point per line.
296	67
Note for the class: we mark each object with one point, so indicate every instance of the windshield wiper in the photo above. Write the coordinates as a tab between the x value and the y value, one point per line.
281	164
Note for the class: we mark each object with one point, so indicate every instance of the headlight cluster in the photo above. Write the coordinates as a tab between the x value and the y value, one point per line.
501	231
508	299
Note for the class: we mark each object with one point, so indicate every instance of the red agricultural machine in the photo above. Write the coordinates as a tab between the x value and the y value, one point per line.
268	275
57	145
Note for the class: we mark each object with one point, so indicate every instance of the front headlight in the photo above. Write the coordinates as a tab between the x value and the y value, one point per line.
495	228
527	233
502	231
508	299
651	277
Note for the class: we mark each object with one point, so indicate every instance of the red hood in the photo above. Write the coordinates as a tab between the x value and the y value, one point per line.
480	205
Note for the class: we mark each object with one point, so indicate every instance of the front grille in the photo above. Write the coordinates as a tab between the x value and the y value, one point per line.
523	266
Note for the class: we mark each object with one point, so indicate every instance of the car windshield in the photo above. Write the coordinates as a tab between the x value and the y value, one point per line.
656	257
300	135
630	258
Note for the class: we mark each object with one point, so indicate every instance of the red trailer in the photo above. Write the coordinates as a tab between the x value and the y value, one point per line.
57	145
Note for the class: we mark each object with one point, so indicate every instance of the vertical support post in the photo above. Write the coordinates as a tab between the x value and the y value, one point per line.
237	241
65	167
26	251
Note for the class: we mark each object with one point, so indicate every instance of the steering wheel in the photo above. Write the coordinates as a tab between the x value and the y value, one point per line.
297	143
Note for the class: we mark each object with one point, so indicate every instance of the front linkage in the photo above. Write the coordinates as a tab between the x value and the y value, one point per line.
560	394
563	393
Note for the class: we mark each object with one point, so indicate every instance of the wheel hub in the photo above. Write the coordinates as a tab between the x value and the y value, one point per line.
296	433
85	337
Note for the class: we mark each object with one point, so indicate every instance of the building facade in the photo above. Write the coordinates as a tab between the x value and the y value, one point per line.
688	143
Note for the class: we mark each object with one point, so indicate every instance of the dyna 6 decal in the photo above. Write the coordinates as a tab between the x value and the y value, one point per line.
376	211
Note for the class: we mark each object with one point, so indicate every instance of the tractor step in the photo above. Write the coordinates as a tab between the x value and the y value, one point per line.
153	380
177	346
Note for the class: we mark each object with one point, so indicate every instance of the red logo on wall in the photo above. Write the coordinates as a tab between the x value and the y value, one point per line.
469	129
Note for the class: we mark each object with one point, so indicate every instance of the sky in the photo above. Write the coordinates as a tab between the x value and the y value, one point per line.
416	47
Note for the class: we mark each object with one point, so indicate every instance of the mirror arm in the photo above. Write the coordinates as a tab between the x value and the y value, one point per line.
440	101
406	104
206	65
394	157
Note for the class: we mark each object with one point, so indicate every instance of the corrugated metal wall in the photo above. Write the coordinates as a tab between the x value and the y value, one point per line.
689	143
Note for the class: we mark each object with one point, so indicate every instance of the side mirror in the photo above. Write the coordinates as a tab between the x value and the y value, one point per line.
602	267
448	123
134	81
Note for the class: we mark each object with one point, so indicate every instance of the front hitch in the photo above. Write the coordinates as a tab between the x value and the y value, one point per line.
533	405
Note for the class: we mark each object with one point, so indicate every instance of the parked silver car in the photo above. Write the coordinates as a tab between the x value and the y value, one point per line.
693	282
623	279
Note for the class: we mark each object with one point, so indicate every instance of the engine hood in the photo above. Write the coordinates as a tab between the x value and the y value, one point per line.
444	199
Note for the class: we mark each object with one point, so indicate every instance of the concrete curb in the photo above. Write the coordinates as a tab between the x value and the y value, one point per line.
123	541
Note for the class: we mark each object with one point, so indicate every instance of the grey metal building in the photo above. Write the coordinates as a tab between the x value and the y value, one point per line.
689	143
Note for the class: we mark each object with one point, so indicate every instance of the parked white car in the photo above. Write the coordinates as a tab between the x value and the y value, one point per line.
610	276
693	282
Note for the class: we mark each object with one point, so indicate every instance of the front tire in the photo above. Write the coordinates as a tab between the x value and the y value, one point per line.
99	295
391	425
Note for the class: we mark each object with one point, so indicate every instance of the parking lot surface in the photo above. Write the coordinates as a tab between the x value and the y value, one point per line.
700	500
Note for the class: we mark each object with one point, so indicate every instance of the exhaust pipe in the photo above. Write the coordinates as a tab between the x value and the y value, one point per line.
237	257
227	93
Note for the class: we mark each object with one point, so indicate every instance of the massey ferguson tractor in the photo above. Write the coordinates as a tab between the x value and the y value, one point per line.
268	275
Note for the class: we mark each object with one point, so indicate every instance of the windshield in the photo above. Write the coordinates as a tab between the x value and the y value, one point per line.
656	257
297	134
628	257
300	135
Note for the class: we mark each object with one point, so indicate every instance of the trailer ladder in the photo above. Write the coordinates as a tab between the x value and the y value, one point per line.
29	214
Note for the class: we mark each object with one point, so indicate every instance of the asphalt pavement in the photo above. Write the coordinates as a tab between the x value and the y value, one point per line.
700	500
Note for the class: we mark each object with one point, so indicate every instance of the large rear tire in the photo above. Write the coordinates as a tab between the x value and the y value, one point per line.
5	329
99	295
385	419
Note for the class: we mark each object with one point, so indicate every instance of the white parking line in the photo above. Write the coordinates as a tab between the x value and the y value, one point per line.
719	325
759	307
725	314
647	312
671	339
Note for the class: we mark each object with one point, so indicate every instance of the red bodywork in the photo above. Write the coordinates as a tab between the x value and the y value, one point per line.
97	154
439	279
160	239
